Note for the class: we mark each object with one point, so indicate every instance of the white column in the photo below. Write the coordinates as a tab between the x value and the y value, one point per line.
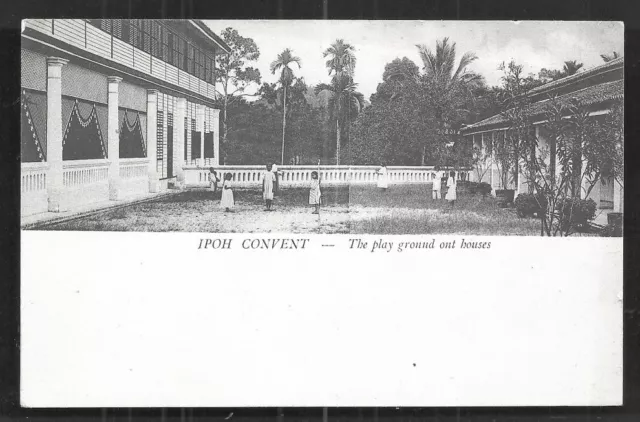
178	140
152	139
215	127
113	138
55	180
200	128
618	196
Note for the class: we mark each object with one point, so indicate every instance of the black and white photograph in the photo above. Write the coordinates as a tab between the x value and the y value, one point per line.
321	213
325	127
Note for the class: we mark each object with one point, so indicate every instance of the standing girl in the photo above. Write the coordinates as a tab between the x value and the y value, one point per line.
268	180
451	188
383	183
314	192
227	201
213	179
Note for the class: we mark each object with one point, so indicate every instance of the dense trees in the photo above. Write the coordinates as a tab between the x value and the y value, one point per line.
413	118
233	75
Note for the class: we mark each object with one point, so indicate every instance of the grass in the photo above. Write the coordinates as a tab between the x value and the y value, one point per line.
400	210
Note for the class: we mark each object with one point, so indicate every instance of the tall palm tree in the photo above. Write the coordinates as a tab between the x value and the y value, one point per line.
342	57
282	64
344	102
439	65
571	67
608	57
451	83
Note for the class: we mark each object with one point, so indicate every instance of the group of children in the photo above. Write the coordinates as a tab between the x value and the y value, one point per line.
270	182
270	186
450	186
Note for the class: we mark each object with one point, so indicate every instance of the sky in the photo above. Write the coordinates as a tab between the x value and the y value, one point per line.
534	44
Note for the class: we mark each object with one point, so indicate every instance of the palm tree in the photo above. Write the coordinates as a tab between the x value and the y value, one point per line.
344	102
451	84
281	64
571	67
341	57
439	65
608	57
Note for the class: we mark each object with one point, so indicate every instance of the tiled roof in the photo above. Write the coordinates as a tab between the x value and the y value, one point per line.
587	96
605	67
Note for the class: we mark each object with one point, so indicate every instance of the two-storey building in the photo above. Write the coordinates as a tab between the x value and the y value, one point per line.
114	107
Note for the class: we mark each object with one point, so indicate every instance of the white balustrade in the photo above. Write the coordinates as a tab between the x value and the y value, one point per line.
80	173
34	177
134	176
133	168
300	176
33	188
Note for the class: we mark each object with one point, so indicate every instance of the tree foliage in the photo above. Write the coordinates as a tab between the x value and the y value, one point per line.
233	75
415	117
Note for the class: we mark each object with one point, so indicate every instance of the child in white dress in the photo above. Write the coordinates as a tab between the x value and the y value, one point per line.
227	201
451	188
268	181
382	178
314	192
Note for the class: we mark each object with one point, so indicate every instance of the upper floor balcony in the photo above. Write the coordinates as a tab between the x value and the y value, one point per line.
181	53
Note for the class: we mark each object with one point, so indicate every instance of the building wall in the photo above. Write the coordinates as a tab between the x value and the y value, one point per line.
33	70
82	83
132	96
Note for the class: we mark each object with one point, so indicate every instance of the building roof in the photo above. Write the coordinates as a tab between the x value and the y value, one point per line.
587	73
590	95
211	35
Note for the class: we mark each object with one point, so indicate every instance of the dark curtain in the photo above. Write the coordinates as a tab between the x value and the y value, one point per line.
83	139
31	150
131	139
195	145
208	145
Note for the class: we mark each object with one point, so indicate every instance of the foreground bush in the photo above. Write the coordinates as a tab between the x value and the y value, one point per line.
575	214
529	204
474	188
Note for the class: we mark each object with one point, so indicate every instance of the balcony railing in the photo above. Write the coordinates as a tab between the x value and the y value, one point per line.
81	34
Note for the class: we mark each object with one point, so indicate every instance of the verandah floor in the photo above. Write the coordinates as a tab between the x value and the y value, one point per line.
403	209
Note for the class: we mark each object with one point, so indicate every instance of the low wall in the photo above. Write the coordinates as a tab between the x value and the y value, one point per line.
33	188
300	176
85	182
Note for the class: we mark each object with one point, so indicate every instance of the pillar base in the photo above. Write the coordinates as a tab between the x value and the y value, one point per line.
54	205
114	193
154	186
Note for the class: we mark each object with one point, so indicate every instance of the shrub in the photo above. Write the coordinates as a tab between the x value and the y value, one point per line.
528	204
575	214
474	188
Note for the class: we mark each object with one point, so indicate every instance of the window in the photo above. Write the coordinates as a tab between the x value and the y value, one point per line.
146	29
183	62
126	30
155	38
117	28
160	136
136	34
190	67
166	50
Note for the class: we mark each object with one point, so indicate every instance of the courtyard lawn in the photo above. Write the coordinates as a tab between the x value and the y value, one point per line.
400	210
